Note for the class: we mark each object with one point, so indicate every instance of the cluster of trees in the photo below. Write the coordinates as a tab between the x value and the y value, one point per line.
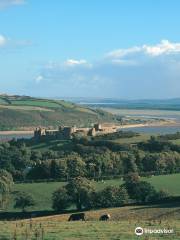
158	144
81	193
170	136
83	159
89	158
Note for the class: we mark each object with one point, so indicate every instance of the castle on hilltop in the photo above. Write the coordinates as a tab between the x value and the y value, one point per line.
66	132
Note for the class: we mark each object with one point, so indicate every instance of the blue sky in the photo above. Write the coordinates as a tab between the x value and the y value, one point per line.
98	48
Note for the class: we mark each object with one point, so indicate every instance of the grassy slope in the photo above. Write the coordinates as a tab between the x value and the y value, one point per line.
42	192
57	144
124	221
18	112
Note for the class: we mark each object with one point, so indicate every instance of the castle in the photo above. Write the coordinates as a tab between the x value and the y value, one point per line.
66	132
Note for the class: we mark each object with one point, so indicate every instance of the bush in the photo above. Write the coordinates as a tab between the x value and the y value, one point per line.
140	191
160	196
23	200
61	199
110	197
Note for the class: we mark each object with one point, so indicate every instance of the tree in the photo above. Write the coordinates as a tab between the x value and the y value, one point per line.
55	171
40	171
131	180
80	189
75	166
61	199
36	156
139	190
111	196
6	182
160	196
129	163
143	192
23	200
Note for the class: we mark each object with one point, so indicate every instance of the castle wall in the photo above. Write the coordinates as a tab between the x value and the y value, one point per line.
67	132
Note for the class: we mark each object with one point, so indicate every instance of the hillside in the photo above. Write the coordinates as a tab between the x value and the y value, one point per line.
123	222
24	112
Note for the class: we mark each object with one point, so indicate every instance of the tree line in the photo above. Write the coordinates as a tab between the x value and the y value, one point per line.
81	193
90	159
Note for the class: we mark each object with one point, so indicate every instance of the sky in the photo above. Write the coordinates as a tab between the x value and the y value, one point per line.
126	49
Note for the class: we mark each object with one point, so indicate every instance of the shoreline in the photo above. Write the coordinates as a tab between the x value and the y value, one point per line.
157	124
18	132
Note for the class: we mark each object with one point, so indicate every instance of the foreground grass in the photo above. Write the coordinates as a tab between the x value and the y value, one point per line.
42	192
122	226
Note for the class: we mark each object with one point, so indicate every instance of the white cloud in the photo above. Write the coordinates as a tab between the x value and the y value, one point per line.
3	41
39	78
164	47
8	3
120	53
73	62
136	72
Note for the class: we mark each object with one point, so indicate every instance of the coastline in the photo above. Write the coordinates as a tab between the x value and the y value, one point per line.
18	132
157	124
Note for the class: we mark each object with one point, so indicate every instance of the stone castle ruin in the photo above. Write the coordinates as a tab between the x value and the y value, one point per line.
66	132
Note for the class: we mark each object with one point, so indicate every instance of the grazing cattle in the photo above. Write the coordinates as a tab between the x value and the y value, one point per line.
105	217
77	217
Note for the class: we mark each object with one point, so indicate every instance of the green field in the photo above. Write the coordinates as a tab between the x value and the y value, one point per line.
42	192
122	225
141	138
55	144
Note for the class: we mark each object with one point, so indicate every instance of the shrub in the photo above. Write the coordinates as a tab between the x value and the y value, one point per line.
61	199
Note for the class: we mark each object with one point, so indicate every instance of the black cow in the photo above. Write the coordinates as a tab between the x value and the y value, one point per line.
105	217
77	217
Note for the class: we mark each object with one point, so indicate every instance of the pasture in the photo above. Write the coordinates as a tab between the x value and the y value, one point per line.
141	138
57	144
42	192
121	226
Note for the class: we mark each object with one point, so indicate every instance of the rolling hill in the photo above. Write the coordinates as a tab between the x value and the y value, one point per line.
24	112
153	104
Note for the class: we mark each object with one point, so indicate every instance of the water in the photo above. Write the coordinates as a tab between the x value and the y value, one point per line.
14	136
156	129
150	114
148	129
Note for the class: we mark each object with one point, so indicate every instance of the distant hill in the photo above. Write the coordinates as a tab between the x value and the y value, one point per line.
160	104
24	112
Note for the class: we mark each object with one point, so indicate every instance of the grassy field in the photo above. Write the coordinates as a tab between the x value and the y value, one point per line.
141	138
122	225
177	141
42	192
166	182
57	144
